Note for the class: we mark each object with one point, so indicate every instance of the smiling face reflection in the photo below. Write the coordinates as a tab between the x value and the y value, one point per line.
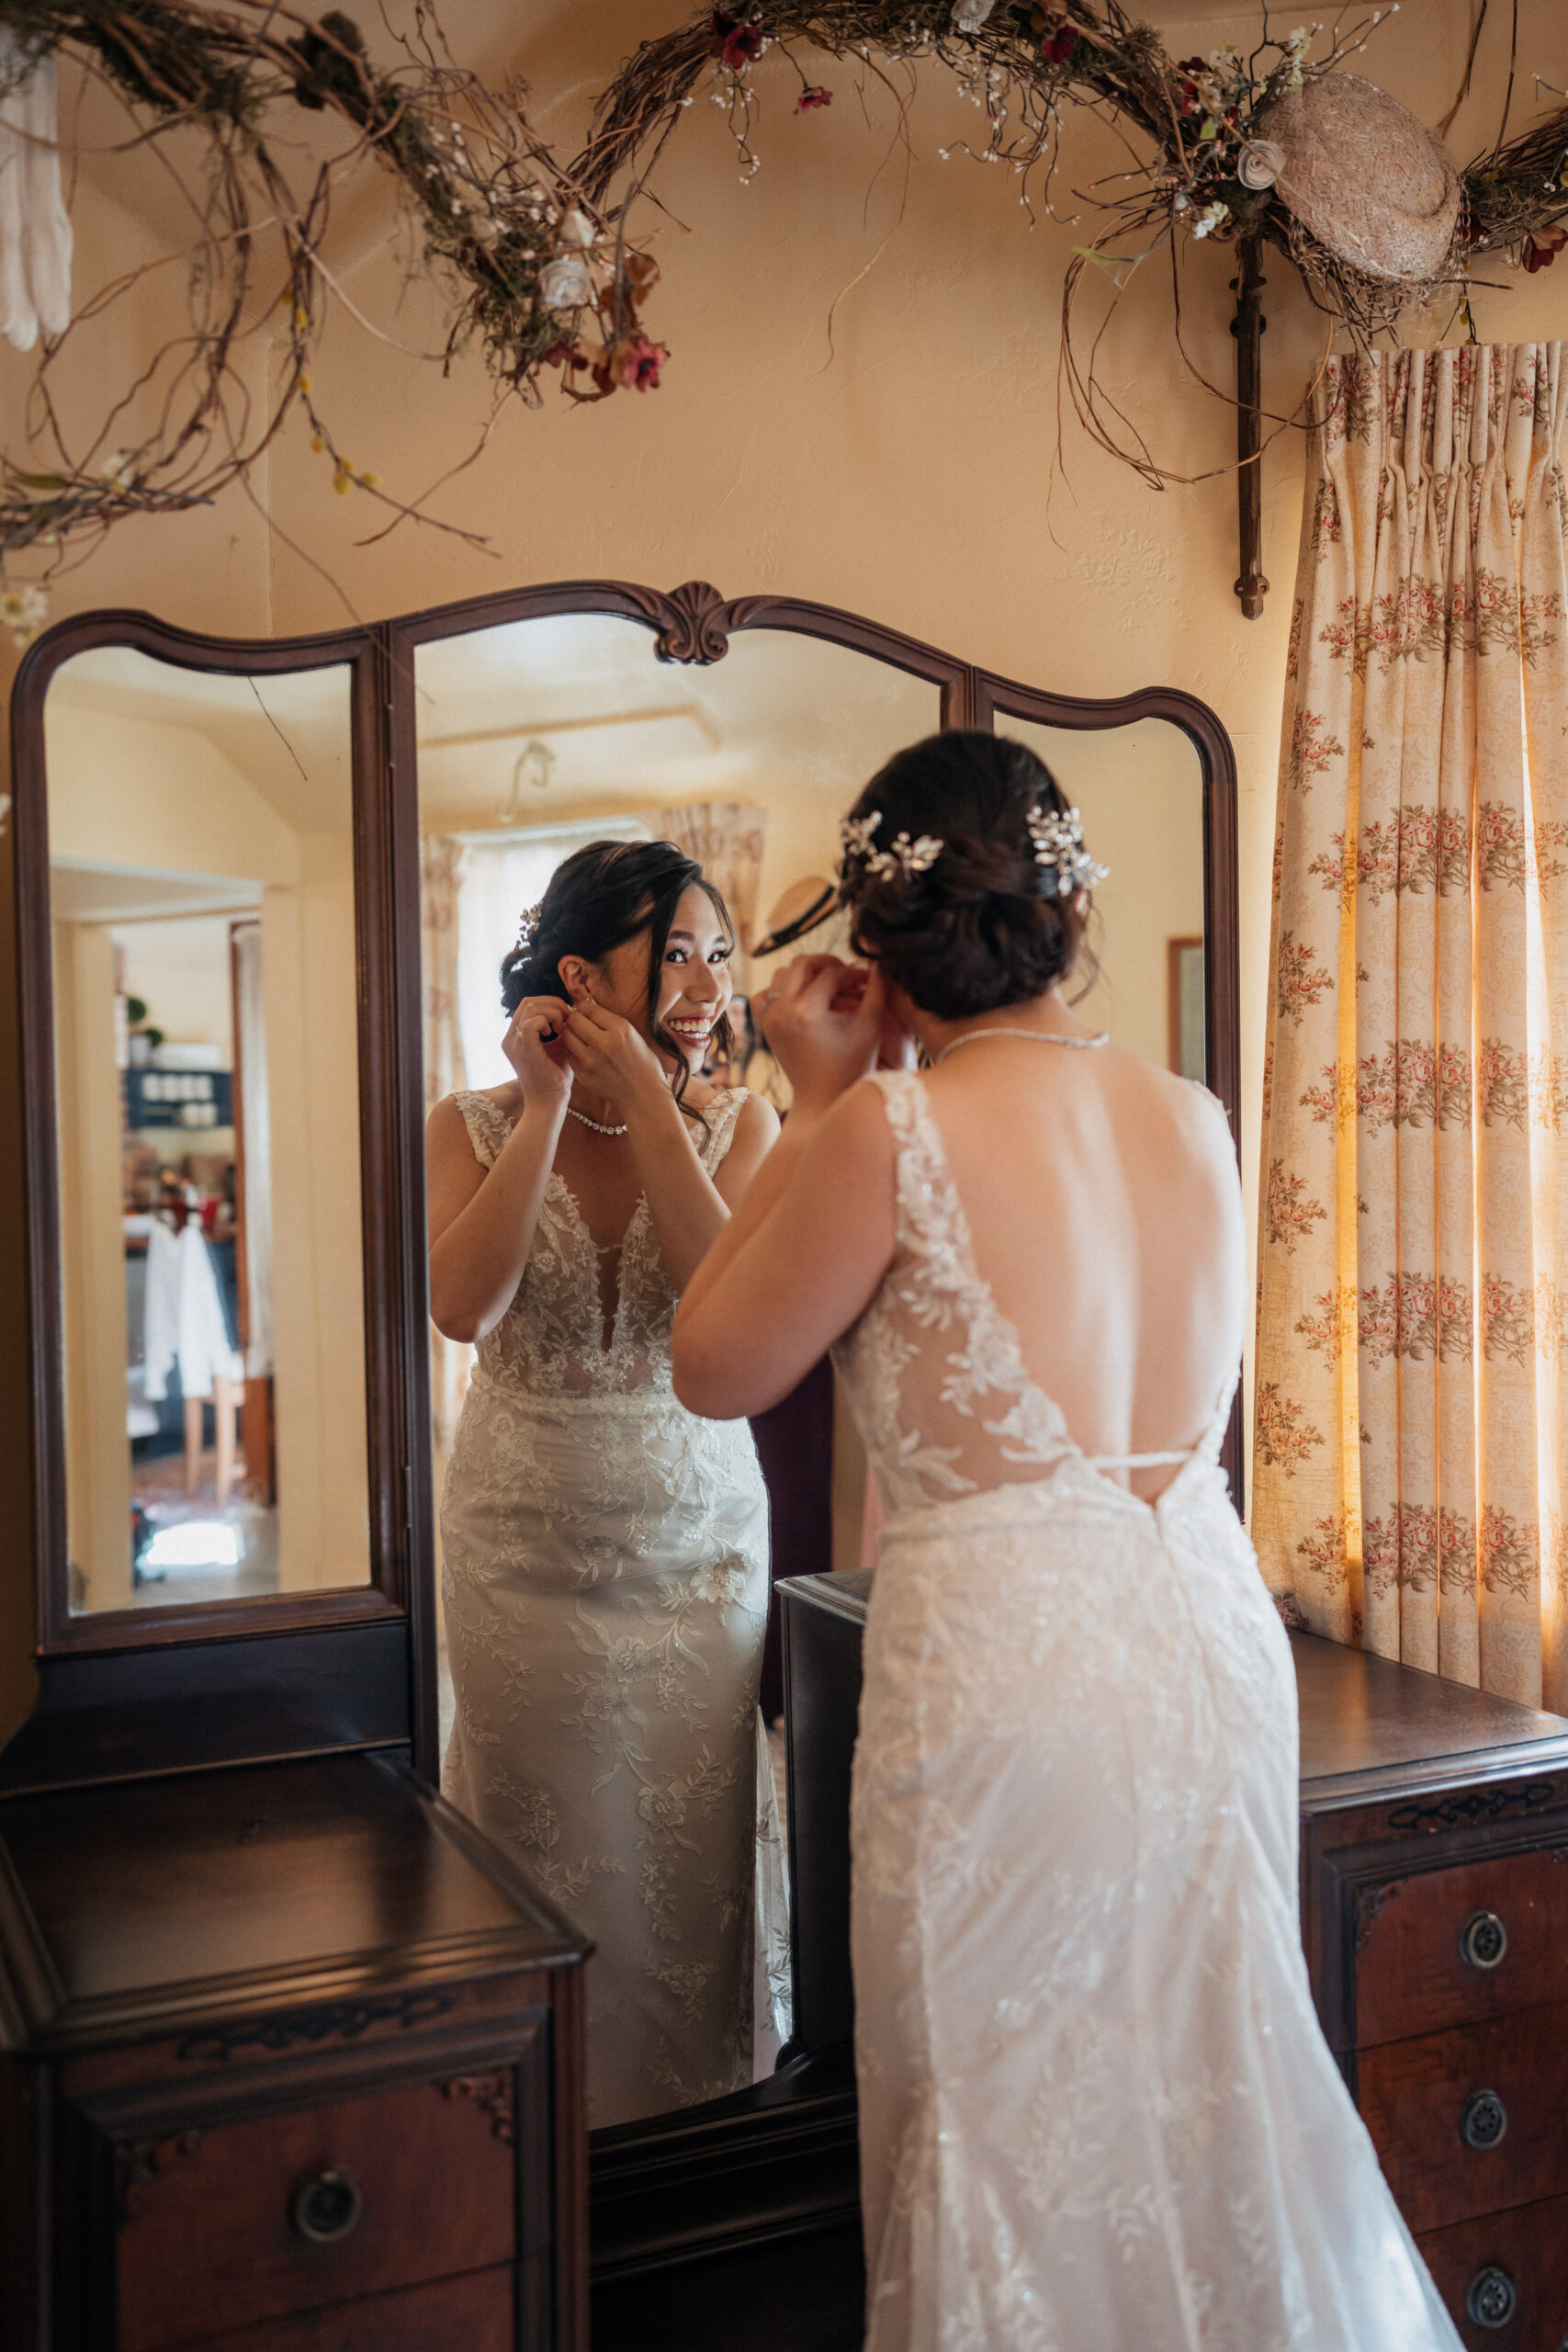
695	983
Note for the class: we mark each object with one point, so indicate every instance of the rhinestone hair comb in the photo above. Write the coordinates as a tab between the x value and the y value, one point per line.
1058	842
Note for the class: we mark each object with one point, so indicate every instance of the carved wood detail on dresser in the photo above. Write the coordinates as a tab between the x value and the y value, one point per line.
1434	1855
292	2059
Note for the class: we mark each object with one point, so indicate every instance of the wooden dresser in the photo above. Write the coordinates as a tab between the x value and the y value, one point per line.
1434	1916
292	2062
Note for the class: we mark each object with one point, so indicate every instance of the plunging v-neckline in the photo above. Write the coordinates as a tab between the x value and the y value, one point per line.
1005	1330
610	1324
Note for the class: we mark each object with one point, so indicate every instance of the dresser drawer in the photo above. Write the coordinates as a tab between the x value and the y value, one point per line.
1446	1947
1470	2122
471	2315
1506	2280
254	2220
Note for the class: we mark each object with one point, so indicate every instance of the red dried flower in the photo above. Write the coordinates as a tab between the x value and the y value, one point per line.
567	353
733	42
1542	249
1058	37
634	362
816	95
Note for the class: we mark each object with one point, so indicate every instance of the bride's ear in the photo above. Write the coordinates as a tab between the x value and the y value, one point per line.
576	978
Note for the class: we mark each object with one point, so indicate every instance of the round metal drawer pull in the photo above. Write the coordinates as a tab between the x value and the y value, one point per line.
1493	2298
326	2206
1483	2120
1482	1941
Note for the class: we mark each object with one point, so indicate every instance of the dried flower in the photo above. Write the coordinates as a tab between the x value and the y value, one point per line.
577	230
1056	34
813	96
968	16
23	611
1213	215
566	283
1542	247
735	44
640	273
1262	160
634	362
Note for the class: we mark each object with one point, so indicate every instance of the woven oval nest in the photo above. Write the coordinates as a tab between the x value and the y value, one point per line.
1366	177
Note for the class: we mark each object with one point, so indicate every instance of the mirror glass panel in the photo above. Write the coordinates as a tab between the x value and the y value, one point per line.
605	1675
1139	790
201	877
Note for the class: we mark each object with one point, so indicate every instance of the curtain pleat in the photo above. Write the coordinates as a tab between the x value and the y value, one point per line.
1408	1471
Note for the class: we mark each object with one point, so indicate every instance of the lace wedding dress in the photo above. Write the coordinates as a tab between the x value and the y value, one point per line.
606	1581
1095	2110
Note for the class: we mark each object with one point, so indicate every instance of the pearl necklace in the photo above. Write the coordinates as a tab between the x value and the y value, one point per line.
1035	1036
597	1124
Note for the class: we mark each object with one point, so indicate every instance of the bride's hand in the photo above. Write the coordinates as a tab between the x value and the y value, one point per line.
613	1060
824	1021
534	1044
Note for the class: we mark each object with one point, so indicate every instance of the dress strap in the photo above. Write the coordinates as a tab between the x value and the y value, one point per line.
722	1115
488	1126
1139	1461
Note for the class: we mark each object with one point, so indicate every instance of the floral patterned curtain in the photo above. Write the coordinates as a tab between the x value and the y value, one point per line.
440	878
728	840
1409	1469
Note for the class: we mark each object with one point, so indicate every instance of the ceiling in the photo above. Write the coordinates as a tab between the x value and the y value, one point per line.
289	735
778	716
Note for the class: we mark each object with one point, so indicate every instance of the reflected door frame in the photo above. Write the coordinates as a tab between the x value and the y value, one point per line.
390	1115
694	624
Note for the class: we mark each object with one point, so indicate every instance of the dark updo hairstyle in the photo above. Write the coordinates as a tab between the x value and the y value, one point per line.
598	898
981	926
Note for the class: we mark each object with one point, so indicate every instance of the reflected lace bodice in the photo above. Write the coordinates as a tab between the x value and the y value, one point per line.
552	1339
933	1367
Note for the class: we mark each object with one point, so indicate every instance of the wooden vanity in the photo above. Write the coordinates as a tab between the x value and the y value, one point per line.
1434	1856
292	2059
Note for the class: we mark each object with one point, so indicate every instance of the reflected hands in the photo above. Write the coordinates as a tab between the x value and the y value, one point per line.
534	1044
829	1023
613	1060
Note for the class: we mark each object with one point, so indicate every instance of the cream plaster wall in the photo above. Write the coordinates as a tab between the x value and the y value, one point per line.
908	472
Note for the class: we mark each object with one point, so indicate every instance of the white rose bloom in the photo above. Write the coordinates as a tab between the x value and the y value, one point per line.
968	16
1261	163
577	230
565	284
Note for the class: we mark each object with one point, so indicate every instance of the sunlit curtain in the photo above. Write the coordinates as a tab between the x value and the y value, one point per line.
1409	1459
728	839
441	866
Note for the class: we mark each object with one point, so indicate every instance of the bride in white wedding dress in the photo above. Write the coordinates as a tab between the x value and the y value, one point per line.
1097	2112
605	1552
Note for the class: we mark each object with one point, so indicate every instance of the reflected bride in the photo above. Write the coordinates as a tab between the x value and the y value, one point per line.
604	1550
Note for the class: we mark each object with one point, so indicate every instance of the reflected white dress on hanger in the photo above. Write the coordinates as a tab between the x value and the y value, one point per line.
1097	2113
606	1581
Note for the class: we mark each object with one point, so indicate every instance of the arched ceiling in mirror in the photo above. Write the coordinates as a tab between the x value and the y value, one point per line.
780	717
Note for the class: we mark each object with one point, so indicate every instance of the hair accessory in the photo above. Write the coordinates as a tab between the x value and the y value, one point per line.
906	856
527	927
1058	842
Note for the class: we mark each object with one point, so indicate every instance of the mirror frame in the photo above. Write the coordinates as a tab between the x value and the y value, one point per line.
391	1609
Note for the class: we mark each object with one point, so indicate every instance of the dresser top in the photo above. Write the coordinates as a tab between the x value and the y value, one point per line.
125	1908
1366	1722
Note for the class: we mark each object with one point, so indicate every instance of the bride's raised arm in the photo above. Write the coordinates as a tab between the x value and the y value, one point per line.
802	1253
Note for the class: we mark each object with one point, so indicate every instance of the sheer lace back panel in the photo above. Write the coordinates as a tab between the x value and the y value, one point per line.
935	1370
553	1340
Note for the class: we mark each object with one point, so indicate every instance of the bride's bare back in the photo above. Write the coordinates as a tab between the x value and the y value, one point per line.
1105	1218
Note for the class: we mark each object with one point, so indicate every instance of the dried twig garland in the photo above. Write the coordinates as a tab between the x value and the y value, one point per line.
540	279
1201	123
